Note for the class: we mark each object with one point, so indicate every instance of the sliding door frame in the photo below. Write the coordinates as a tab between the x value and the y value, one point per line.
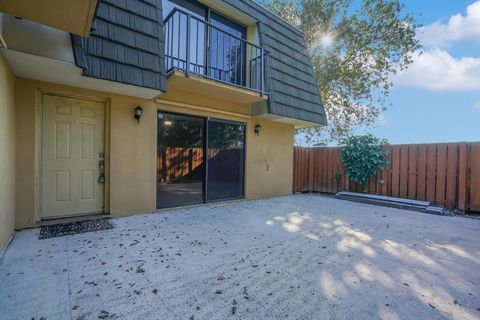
206	121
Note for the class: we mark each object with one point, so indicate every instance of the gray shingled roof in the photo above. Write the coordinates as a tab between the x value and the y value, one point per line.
293	89
127	46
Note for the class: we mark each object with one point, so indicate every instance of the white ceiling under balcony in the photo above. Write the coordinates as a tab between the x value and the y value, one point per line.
73	16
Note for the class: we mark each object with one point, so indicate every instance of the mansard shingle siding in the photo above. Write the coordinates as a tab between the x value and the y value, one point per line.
293	89
126	44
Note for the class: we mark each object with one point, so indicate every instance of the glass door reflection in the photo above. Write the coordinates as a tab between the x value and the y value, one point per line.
198	160
180	160
226	160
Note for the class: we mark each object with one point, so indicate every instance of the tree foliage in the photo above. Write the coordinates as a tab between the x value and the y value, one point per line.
355	47
362	156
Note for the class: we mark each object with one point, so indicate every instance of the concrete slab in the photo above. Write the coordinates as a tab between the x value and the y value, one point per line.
295	257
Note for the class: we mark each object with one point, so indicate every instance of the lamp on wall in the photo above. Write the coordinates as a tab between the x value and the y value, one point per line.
258	128
138	113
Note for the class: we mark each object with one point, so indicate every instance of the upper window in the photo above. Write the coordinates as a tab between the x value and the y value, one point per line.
194	8
203	12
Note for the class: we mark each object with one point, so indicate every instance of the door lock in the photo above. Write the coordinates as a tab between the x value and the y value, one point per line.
101	166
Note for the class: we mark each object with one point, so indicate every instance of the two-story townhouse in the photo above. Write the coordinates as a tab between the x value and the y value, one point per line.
126	106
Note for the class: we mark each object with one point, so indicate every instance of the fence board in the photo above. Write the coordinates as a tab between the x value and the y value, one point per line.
395	172
431	172
451	176
386	174
474	183
463	177
443	174
412	171
422	172
403	189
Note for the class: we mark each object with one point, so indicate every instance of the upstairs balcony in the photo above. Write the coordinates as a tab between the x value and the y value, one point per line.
197	47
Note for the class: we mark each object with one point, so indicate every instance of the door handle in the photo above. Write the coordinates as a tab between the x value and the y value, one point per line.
101	166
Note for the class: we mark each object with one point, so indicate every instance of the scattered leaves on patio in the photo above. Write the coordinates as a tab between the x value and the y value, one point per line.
135	242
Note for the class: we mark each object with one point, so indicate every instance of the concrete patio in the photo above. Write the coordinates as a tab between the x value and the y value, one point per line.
294	257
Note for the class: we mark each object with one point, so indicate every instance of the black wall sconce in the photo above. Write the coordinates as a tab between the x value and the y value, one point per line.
138	113
258	128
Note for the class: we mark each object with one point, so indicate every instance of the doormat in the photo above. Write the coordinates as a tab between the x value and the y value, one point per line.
66	229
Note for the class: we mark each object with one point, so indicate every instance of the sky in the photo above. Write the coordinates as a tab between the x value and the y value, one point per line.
437	99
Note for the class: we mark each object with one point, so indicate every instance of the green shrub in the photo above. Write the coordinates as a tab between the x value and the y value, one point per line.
363	156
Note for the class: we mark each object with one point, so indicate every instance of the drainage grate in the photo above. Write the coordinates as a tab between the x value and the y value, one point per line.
65	229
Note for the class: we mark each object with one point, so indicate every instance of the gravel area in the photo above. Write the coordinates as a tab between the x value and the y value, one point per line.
293	257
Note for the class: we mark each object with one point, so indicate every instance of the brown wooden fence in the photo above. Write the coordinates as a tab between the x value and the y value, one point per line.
445	174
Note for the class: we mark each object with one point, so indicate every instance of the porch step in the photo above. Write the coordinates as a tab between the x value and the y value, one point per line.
401	203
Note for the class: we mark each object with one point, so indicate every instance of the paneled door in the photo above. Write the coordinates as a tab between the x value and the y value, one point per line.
72	170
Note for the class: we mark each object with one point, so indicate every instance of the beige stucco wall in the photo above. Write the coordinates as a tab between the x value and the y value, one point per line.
273	147
132	149
7	152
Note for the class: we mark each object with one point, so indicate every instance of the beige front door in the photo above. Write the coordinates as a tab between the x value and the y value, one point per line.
72	151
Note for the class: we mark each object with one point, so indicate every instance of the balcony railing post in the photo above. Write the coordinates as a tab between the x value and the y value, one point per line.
262	71
187	69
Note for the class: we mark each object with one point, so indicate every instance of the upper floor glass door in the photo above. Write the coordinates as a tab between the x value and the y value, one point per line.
204	42
228	54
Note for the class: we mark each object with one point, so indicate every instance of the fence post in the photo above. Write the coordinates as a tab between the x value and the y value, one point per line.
462	177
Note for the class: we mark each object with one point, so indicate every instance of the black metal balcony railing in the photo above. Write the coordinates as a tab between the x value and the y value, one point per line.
195	46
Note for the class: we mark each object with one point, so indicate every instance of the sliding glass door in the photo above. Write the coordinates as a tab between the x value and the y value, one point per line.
198	160
226	156
180	160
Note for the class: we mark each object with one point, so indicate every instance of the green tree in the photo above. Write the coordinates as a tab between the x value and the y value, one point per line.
355	47
362	156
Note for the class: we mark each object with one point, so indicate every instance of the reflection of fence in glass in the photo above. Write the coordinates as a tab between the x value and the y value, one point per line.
177	163
186	164
196	46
